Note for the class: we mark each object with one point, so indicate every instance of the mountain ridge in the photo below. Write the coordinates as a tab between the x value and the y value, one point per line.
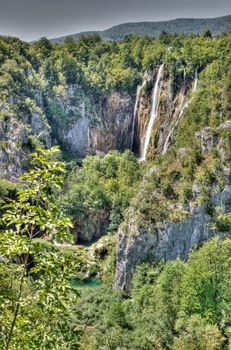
185	25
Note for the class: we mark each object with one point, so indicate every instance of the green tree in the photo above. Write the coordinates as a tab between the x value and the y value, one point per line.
206	284
196	334
43	48
35	294
207	34
106	184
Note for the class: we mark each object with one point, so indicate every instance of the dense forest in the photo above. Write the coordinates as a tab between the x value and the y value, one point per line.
180	25
66	210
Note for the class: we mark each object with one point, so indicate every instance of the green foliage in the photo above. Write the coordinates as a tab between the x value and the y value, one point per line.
206	107
35	291
176	305
221	220
35	77
43	48
207	34
106	184
206	283
196	334
7	188
193	26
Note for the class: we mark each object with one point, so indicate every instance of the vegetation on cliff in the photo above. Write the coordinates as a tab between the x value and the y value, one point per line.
43	86
101	186
173	305
176	305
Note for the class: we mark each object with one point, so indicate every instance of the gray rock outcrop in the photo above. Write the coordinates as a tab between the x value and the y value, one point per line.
139	242
92	125
174	240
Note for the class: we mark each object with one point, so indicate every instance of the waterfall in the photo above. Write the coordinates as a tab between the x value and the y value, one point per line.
184	76
154	112
196	80
139	89
183	105
181	109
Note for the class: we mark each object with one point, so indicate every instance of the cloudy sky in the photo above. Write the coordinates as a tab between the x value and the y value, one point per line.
31	19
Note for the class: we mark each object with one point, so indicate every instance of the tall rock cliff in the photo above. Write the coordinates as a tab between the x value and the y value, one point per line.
85	122
141	239
79	122
176	91
91	124
20	131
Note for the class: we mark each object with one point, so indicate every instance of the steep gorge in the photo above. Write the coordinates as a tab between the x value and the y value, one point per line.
141	239
77	122
177	124
87	124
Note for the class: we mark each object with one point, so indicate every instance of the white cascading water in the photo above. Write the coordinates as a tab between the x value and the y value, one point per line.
195	81
139	89
154	112
183	105
179	111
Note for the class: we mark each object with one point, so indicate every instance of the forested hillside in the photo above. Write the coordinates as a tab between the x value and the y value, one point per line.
179	25
115	193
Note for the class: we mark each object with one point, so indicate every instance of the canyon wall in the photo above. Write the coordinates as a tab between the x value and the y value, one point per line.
20	132
86	123
141	240
174	240
175	95
80	123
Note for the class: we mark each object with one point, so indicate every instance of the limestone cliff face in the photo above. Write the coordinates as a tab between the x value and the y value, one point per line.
174	240
92	228
175	94
70	117
17	133
114	127
86	123
70	114
139	241
90	124
13	149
